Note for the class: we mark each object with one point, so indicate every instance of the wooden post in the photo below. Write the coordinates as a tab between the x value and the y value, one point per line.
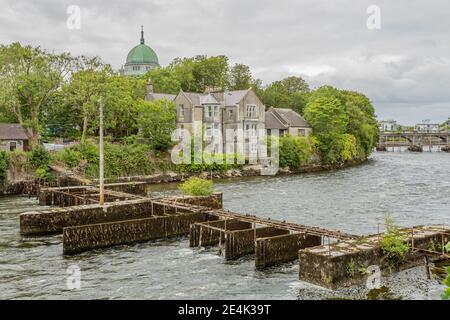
102	157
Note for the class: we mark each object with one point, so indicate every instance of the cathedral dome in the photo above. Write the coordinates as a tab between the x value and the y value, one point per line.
140	59
142	54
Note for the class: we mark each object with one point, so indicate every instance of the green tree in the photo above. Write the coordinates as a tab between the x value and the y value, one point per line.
29	77
295	84
294	151
157	121
165	80
328	117
240	77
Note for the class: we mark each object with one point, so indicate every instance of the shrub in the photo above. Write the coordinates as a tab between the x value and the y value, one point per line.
4	165
44	174
393	244
214	166
120	160
294	151
197	187
349	150
40	158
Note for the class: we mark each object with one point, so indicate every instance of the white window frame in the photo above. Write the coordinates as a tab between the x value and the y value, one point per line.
251	111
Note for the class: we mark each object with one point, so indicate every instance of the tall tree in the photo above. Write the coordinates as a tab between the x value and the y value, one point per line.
240	77
29	77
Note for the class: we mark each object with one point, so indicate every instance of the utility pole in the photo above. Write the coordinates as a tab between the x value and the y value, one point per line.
102	157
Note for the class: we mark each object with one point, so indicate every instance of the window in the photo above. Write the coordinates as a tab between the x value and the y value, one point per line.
301	132
250	130
212	111
12	146
251	111
212	130
230	114
181	111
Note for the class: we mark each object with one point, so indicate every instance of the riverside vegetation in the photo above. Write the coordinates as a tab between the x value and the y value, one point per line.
57	96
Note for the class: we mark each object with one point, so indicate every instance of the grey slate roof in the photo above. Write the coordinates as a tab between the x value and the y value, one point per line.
12	131
230	98
284	117
160	96
272	122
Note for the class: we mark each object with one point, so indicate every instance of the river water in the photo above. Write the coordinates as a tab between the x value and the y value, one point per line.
413	188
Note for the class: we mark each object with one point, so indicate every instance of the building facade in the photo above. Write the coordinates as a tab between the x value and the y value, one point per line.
140	59
13	137
287	121
225	116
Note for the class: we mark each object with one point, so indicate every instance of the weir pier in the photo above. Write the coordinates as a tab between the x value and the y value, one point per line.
126	218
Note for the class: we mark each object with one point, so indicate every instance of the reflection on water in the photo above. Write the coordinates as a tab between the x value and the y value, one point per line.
414	188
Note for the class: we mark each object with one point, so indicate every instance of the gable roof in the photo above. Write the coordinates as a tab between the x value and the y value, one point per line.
229	98
273	122
232	98
160	96
12	131
279	118
291	118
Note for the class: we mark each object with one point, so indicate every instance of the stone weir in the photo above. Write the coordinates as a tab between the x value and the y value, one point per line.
354	261
132	218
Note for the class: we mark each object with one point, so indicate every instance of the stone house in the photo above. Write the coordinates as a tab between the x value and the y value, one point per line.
230	113
13	137
286	121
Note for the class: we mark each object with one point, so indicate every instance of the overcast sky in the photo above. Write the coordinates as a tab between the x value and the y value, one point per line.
404	67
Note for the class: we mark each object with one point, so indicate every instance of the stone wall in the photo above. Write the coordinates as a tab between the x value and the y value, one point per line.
54	220
242	242
284	248
88	237
344	263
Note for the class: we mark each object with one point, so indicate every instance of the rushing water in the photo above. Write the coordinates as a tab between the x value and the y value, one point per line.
413	188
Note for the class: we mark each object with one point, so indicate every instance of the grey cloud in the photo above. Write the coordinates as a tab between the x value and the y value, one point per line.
404	67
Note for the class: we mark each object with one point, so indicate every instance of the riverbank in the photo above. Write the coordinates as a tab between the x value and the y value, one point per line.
67	178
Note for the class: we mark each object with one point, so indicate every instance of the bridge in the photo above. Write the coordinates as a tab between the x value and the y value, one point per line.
414	139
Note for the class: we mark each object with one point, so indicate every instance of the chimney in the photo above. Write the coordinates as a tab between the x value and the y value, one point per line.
149	86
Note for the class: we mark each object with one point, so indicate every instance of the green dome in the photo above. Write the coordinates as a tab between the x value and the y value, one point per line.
142	54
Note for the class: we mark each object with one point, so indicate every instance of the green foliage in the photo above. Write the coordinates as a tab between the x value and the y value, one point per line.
4	166
197	187
329	120
294	151
217	162
351	268
40	158
291	92
120	160
393	244
44	175
446	294
29	78
157	121
348	147
344	124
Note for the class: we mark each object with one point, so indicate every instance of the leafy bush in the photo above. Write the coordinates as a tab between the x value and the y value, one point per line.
4	165
40	158
294	151
120	160
44	174
348	151
197	187
393	244
215	164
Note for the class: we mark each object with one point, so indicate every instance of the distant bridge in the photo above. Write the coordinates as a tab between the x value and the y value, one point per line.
414	139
